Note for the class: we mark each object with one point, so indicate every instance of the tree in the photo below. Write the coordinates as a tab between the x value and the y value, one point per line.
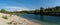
3	11
41	9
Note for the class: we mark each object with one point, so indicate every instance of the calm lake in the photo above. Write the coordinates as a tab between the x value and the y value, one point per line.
42	19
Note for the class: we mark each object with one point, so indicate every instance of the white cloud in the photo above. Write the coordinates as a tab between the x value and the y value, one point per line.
16	8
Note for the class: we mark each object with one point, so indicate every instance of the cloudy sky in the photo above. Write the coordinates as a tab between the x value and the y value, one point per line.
19	5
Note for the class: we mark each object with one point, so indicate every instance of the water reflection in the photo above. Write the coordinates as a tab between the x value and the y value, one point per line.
42	17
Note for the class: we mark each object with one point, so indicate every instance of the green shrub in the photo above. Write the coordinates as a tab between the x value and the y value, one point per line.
10	22
5	17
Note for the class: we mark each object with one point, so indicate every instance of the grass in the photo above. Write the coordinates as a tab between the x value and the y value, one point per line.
10	22
5	17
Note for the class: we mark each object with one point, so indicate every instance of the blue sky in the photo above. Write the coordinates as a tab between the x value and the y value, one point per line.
18	5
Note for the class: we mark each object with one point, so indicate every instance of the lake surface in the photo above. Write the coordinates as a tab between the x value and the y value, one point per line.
42	19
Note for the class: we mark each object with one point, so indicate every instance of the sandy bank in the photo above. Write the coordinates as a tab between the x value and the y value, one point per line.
14	20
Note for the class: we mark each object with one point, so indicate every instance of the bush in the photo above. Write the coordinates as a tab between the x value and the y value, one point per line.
5	17
10	22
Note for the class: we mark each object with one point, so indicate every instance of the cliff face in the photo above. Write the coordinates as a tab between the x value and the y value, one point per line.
7	19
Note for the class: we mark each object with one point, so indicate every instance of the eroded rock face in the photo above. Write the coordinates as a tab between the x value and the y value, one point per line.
6	19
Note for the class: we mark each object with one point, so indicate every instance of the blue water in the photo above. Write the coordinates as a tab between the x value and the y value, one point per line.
42	19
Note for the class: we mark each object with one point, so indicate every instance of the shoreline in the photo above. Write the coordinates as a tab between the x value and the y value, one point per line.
16	20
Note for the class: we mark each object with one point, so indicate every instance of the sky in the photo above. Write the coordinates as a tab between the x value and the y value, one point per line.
19	5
